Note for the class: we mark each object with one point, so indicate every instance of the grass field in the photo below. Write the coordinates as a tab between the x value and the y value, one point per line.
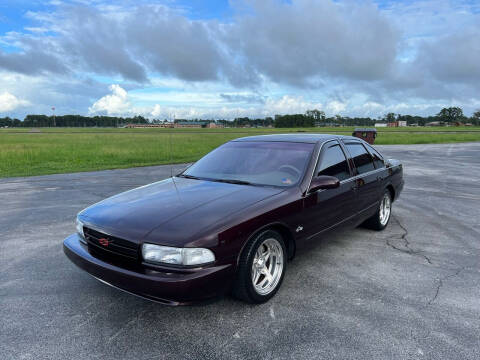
27	152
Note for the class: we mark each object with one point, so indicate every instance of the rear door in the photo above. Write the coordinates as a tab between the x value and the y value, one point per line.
382	172
327	208
366	176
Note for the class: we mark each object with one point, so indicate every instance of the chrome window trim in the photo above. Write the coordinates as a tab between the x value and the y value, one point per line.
361	175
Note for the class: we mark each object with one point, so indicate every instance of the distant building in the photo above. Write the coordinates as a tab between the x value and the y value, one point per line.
212	125
459	123
380	125
367	134
399	123
190	124
164	125
434	123
197	124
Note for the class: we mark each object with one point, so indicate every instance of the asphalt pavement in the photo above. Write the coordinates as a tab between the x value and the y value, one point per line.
409	292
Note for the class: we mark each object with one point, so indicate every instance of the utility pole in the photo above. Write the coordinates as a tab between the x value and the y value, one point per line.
54	123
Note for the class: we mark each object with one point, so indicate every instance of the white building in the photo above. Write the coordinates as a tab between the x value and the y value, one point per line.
380	124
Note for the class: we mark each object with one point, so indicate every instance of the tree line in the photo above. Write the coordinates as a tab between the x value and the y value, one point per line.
71	121
311	118
446	116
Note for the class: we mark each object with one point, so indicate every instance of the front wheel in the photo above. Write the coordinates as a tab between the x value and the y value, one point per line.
380	220
261	268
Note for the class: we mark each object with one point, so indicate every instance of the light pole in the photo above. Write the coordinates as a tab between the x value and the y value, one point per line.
53	109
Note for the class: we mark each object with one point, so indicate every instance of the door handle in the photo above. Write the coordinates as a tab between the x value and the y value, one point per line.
355	185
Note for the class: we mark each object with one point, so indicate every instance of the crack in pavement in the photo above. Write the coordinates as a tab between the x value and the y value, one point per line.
440	284
406	242
410	251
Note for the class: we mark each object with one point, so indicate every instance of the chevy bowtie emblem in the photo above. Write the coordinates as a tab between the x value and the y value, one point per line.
104	241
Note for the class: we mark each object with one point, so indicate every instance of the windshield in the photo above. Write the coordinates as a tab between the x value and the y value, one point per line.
261	163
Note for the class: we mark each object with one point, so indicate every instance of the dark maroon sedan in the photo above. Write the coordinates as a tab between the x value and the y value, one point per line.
233	219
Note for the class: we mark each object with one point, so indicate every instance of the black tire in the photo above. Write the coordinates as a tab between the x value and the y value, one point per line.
375	222
243	287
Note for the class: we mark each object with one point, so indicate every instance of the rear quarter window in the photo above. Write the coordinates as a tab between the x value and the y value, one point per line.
361	158
377	158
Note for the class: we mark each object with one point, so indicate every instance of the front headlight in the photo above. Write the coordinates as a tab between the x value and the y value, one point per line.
177	256
79	226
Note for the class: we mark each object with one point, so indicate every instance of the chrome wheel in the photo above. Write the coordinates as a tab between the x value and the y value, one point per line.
385	209
267	266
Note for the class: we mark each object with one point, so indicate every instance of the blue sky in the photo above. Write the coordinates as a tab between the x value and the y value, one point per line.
224	59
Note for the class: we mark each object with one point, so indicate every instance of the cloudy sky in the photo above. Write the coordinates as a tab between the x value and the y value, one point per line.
224	59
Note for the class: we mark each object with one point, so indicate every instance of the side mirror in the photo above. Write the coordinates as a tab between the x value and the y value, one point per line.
323	182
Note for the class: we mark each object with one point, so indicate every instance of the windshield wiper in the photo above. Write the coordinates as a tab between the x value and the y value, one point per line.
230	181
188	176
233	181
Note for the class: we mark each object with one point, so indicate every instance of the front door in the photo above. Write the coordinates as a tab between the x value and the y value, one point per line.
324	209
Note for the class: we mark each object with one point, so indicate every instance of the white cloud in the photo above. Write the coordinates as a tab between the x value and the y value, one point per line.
157	111
189	105
34	29
115	103
335	107
9	102
288	104
119	103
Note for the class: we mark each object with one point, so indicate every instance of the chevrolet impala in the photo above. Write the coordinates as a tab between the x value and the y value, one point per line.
232	220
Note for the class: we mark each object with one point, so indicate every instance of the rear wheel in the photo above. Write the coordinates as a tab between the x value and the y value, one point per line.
261	268
380	220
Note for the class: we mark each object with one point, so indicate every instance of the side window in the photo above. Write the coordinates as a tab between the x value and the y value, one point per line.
377	158
362	159
333	162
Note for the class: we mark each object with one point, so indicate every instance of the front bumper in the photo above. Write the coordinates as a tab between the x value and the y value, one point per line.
168	286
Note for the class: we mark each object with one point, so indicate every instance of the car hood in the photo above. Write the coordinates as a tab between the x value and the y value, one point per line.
181	208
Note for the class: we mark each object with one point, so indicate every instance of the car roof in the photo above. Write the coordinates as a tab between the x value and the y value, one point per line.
304	138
